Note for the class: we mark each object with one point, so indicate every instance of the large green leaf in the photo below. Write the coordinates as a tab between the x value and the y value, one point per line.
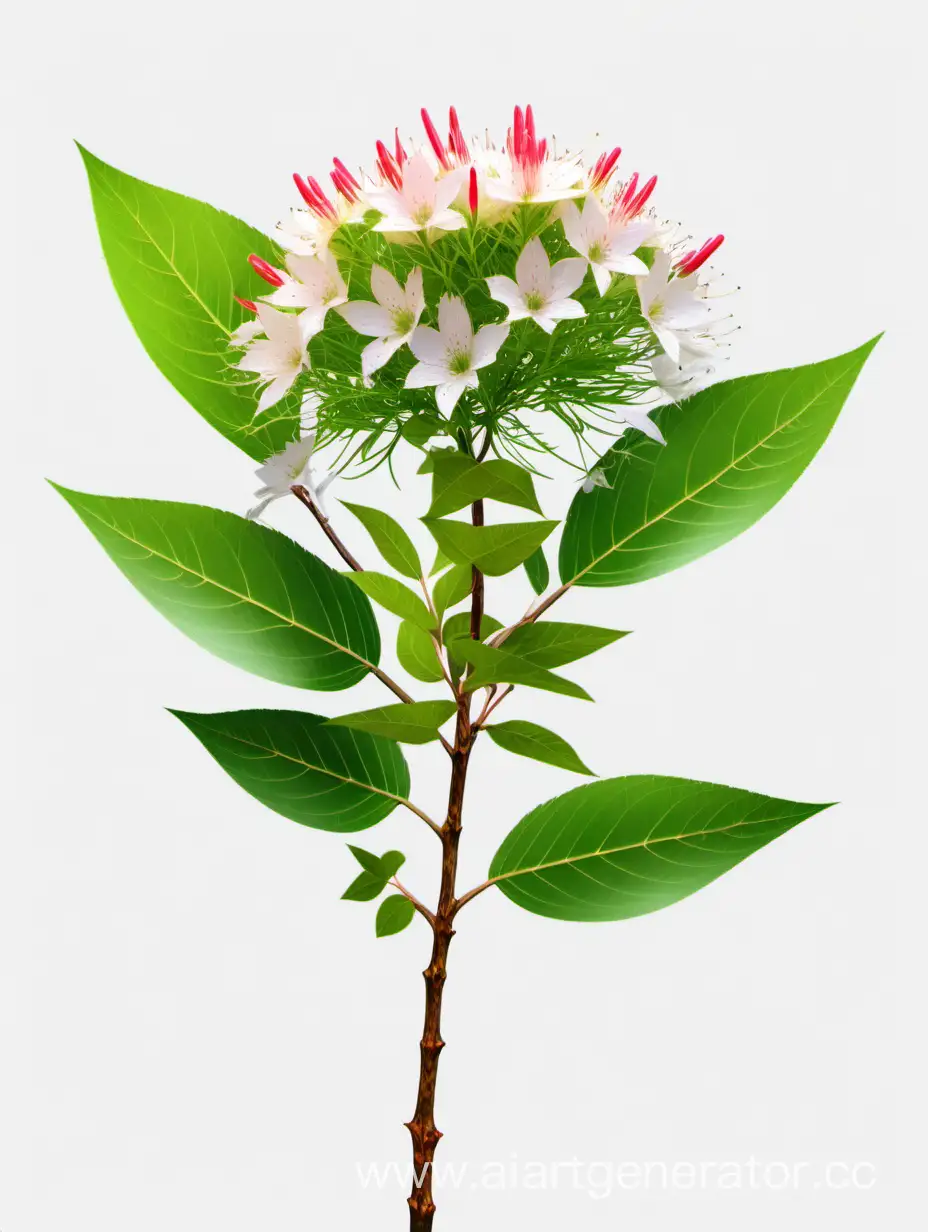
732	451
457	481
530	740
551	643
495	550
392	542
409	723
247	593
295	763
627	846
494	666
176	264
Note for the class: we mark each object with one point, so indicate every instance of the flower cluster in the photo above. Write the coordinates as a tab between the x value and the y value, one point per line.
511	280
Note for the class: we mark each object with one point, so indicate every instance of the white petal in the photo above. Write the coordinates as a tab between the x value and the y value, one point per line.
447	220
376	353
256	510
281	327
387	291
626	264
245	333
544	319
506	291
418	184
311	322
573	228
447	188
428	345
565	309
602	277
566	276
533	269
423	375
640	420
415	296
487	343
397	222
668	340
457	333
447	395
366	317
275	391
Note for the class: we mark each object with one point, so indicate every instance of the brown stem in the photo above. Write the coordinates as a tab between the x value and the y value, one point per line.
476	602
303	495
422	1129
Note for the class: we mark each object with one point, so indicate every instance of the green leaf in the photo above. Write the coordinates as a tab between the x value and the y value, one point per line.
416	652
452	587
387	865
458	481
551	643
394	914
245	592
320	776
440	451
500	667
409	723
732	452
365	888
494	550
394	596
391	541
530	740
458	626
377	872
176	264
536	567
441	562
624	847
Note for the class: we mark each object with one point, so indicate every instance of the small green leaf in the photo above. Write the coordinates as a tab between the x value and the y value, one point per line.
365	888
441	562
732	452
530	740
377	872
428	462
177	265
243	591
420	429
416	653
536	567
458	626
409	723
395	596
495	550
391	541
297	765
550	643
452	587
624	847
458	481
394	914
499	667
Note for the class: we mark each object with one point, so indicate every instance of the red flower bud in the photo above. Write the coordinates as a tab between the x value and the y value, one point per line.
267	272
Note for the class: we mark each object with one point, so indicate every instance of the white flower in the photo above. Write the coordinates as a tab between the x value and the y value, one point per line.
671	305
391	320
301	233
526	173
450	356
421	202
679	380
315	285
541	290
291	466
596	478
278	358
606	241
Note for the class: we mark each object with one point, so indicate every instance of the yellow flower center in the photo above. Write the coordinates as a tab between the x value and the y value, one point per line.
459	363
403	320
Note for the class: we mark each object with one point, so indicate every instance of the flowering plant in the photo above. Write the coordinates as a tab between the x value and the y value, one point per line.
497	309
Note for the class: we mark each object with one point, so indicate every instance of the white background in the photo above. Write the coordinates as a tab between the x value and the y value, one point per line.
194	1032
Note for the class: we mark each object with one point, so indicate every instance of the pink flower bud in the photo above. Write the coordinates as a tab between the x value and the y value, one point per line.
436	143
246	303
472	191
267	272
690	263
